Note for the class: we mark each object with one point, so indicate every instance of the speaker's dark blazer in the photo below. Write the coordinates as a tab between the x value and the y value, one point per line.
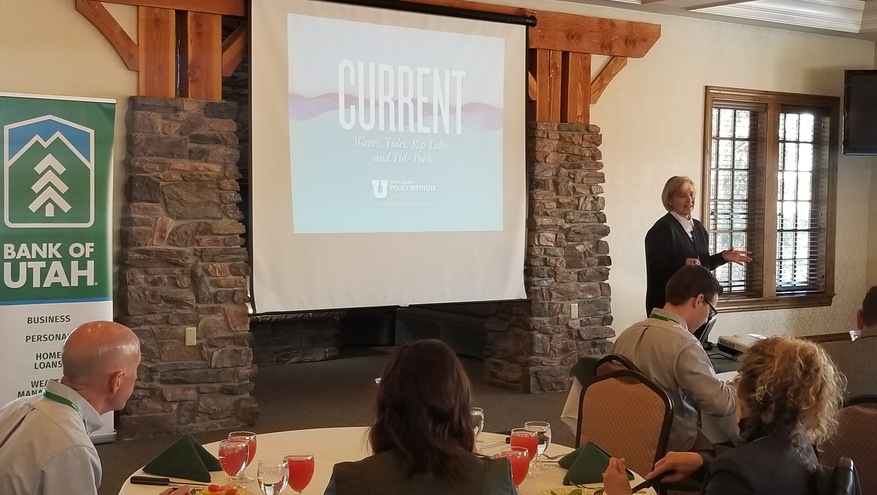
667	247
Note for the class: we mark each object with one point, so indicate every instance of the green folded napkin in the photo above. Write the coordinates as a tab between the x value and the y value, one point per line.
186	459
586	464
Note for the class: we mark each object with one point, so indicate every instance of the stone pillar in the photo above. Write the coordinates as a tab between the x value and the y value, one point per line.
181	265
531	345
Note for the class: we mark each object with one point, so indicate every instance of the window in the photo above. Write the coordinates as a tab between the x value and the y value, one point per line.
770	180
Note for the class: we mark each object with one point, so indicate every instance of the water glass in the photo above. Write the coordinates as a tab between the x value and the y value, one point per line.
273	476
477	421
543	437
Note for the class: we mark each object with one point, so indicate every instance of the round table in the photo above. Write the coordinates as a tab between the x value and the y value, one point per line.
334	445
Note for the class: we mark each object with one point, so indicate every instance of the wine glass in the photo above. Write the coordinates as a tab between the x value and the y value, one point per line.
273	476
301	469
250	438
477	421
524	438
233	457
855	334
543	435
519	457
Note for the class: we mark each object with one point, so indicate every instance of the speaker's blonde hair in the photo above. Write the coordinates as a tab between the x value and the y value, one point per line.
673	185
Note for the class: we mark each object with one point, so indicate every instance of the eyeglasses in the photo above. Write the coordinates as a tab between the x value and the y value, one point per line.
713	310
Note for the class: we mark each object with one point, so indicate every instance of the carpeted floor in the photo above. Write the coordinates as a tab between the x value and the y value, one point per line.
336	393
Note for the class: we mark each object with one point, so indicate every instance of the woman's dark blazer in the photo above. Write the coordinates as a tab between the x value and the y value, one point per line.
667	247
767	466
383	474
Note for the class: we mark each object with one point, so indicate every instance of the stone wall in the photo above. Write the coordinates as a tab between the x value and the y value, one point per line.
181	265
531	345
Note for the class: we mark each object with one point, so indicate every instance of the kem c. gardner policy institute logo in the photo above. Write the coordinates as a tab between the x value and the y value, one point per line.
41	158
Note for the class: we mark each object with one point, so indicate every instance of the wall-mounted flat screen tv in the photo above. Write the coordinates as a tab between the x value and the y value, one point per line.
860	112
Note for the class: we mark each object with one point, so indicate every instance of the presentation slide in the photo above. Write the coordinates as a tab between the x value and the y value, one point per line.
388	154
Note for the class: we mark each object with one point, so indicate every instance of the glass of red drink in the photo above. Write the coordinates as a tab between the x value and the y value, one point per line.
521	437
519	458
301	469
233	457
250	438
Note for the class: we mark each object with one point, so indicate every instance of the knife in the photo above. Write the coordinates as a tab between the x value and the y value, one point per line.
159	481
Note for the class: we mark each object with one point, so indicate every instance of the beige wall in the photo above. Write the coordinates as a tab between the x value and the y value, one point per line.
650	117
47	48
651	120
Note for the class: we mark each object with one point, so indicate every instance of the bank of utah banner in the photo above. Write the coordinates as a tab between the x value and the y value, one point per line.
55	233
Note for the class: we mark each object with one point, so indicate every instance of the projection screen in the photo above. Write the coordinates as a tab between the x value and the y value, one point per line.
388	157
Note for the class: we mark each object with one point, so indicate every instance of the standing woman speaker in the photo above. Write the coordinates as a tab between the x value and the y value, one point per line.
677	239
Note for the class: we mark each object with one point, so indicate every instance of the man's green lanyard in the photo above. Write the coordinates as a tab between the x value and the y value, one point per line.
661	317
67	402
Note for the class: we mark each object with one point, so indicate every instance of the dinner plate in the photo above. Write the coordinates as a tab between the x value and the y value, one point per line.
567	490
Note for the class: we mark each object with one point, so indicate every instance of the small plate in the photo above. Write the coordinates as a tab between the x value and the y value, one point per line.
567	490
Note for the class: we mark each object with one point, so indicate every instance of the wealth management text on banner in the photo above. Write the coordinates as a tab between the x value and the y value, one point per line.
55	234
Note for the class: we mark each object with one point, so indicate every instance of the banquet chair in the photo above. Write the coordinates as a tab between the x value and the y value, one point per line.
844	479
855	438
628	416
613	362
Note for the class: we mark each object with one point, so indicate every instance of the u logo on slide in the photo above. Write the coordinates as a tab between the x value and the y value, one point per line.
380	188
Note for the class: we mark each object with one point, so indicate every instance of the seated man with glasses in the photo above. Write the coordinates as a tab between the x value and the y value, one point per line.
665	350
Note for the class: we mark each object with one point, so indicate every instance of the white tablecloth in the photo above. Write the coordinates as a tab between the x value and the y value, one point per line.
333	445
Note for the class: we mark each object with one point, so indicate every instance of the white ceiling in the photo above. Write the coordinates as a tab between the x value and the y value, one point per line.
854	18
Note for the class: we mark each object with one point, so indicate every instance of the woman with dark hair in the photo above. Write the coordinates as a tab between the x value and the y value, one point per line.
789	393
422	437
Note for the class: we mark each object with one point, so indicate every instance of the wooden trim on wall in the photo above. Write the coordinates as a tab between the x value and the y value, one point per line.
574	33
234	49
98	15
575	88
236	8
201	56
609	71
157	38
548	85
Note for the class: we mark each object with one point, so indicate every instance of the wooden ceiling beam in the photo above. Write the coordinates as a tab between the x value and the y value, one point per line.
610	70
234	49
574	33
236	8
98	15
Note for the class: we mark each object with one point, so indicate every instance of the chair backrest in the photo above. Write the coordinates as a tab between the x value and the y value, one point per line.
628	416
613	362
855	438
862	400
844	479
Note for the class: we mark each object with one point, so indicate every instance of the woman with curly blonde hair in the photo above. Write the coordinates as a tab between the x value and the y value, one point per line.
789	393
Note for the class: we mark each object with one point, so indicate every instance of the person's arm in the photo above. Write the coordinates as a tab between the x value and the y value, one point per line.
711	262
676	466
615	480
695	375
73	470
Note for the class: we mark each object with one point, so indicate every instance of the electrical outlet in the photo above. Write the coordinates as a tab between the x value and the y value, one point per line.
191	335
574	310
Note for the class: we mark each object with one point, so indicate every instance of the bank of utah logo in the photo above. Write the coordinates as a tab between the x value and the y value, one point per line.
48	174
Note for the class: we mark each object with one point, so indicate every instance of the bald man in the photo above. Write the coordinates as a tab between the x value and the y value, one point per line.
44	443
